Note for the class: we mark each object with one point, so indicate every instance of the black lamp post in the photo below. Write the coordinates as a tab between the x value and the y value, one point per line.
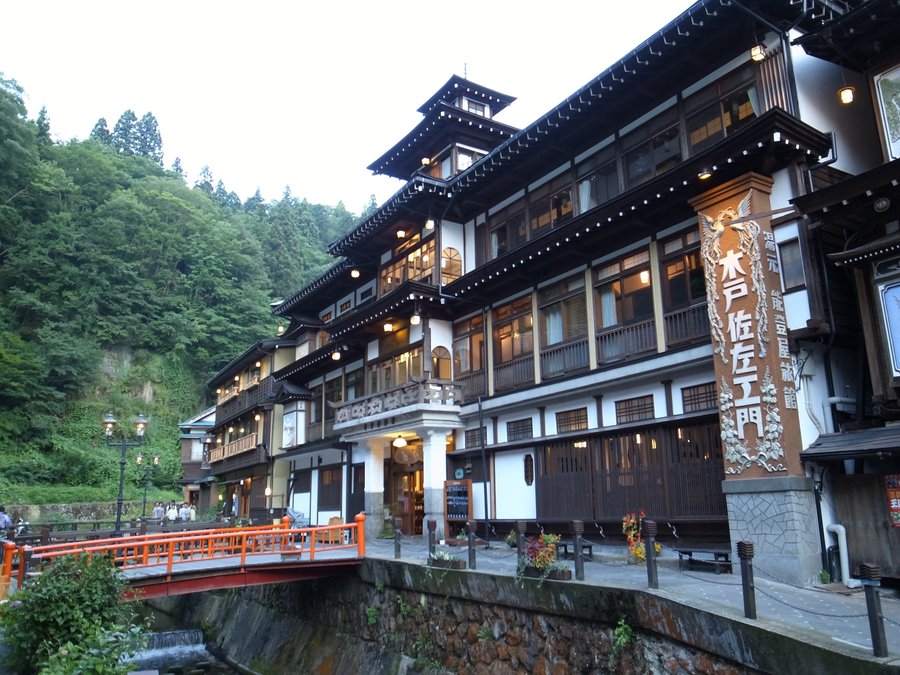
109	426
146	470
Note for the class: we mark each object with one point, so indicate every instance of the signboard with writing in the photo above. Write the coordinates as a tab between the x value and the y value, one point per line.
754	366
457	502
892	490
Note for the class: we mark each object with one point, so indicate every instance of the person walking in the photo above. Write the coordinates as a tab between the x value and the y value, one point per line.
5	521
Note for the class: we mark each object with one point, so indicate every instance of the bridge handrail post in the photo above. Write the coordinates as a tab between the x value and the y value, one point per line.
24	562
360	519
170	556
243	550
9	550
286	526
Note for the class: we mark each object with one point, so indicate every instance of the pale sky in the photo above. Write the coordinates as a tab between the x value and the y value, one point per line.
303	94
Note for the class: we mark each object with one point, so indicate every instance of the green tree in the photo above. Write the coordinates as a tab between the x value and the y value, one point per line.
100	132
176	167
205	181
148	139
81	598
124	135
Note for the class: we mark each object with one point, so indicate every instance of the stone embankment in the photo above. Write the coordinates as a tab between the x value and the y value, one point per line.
395	617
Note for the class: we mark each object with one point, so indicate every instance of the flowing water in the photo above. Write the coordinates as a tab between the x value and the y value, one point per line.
182	651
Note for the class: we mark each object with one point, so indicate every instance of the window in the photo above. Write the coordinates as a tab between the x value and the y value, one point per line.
571	420
507	229
634	409
550	205
598	180
334	393
468	345
451	266
354	385
330	489
475	437
475	108
290	423
518	430
513	330
791	265
700	397
563	310
416	264
396	371
345	306
652	149
315	405
721	108
623	293
528	467
684	283
440	363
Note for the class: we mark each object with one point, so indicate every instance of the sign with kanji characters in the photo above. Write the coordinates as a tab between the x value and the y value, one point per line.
892	492
755	372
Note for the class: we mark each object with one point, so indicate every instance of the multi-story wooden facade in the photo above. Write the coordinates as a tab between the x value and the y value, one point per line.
630	305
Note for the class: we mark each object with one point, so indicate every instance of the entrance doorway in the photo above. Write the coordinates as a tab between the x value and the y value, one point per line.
408	496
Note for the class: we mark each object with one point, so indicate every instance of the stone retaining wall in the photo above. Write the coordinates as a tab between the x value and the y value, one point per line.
396	617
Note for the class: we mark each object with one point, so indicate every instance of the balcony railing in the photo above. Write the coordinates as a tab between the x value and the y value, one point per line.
564	358
247	399
316	431
429	392
471	385
514	373
227	394
620	343
687	325
242	444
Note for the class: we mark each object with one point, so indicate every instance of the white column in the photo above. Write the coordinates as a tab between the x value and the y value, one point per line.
434	463
374	488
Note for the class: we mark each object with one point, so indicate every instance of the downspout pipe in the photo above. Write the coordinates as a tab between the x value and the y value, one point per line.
828	413
841	533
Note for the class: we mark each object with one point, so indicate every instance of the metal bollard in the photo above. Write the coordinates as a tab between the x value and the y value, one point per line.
470	530
520	543
745	553
398	523
870	574
432	528
578	529
649	532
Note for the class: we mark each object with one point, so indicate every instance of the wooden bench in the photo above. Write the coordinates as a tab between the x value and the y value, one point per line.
587	549
720	553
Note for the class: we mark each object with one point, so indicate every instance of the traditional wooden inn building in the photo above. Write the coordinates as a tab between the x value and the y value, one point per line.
639	302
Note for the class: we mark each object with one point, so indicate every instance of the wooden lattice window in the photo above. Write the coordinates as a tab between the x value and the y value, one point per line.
474	439
571	420
519	429
634	409
700	397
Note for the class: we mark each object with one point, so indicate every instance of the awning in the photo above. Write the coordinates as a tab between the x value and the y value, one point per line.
878	442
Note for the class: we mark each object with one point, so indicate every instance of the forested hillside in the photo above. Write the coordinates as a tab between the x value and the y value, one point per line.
124	288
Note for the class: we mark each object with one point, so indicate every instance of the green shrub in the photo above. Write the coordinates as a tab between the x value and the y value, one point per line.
97	654
77	599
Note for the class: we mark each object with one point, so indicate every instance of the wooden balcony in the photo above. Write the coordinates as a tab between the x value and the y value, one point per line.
514	373
563	358
407	396
242	444
687	325
623	342
316	431
247	399
471	385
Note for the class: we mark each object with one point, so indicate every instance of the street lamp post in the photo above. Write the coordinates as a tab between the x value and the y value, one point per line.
146	470
109	427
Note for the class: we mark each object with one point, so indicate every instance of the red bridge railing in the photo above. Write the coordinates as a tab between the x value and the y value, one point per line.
164	549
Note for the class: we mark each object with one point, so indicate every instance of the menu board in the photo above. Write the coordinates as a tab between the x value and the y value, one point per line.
458	500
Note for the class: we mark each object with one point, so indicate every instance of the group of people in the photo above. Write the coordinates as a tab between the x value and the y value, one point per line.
173	513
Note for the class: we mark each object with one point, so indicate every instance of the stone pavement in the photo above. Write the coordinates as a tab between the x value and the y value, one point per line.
832	616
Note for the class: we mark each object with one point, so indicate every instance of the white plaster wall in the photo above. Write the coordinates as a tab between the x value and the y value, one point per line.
818	81
796	309
453	236
514	499
441	334
478	500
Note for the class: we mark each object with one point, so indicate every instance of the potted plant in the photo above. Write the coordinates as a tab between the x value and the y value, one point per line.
444	560
538	559
511	538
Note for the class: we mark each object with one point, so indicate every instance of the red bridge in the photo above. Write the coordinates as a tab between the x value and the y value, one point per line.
176	563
